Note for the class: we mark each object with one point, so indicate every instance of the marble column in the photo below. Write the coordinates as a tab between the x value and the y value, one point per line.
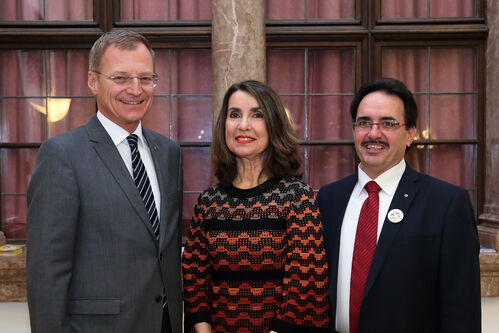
489	227
238	45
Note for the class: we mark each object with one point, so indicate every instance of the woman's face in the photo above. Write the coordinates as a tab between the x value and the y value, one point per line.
245	130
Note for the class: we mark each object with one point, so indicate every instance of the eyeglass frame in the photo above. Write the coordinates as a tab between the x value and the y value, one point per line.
370	124
129	79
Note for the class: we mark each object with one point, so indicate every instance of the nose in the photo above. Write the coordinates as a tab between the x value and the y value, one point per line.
134	87
245	123
374	131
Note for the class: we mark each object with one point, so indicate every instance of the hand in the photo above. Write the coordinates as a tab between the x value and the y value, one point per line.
202	327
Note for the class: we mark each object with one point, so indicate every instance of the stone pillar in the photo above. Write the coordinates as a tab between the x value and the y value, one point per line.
489	227
238	45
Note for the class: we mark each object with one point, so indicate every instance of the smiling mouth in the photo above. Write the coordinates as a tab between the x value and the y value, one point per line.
244	139
131	102
375	145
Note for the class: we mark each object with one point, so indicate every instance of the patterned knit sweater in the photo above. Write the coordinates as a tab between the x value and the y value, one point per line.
254	260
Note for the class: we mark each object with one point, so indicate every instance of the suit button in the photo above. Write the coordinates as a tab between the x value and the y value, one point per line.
158	298
161	257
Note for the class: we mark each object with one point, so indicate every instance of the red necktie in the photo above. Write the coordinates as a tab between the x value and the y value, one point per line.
363	252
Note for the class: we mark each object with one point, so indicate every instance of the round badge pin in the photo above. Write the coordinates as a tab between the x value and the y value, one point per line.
395	215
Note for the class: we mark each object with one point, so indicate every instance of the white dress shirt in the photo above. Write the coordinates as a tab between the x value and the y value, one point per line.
388	181
119	137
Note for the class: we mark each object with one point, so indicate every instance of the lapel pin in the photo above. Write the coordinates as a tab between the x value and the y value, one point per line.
155	148
406	195
395	215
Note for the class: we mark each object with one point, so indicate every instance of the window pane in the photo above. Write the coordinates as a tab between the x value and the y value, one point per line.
317	86
330	71
329	118
309	9
409	65
320	9
22	120
452	70
403	8
285	10
451	117
422	124
192	117
68	73
417	158
182	105
452	8
197	168
329	163
158	117
169	10
326	97
286	70
191	72
16	166
296	108
197	177
14	208
459	162
443	80
22	73
47	10
65	114
426	9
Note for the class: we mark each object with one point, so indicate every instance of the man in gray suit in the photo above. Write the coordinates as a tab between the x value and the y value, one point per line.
103	234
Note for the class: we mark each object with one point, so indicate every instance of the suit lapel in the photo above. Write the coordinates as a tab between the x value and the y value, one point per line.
402	199
107	152
333	203
340	202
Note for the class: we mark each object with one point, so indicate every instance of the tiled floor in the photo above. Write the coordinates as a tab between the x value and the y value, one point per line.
14	317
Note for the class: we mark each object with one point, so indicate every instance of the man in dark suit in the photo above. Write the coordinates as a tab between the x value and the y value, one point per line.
402	246
103	234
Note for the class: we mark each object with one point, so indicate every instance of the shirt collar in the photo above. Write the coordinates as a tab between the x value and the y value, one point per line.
116	132
388	180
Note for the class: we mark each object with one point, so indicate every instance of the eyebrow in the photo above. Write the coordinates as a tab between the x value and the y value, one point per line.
125	73
382	118
256	108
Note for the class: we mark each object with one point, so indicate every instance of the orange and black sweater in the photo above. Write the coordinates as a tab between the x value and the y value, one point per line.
254	260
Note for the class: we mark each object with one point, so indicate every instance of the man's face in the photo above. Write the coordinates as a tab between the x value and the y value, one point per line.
124	104
379	149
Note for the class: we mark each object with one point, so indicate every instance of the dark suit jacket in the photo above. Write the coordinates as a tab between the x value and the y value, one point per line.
425	274
93	264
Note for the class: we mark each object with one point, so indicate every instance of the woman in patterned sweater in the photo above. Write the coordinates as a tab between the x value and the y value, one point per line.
254	260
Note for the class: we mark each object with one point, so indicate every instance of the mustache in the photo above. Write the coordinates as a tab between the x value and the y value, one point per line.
375	142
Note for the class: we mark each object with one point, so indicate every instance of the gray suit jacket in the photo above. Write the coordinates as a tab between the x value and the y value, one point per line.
93	264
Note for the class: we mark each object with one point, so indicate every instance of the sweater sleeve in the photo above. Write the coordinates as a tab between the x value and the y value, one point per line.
196	272
305	303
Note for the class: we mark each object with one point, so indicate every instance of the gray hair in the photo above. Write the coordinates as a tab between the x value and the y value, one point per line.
122	39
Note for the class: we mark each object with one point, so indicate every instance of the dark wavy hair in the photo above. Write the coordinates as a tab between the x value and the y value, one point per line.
281	157
391	87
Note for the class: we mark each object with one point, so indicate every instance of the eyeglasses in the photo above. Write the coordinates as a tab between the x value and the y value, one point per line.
124	80
385	125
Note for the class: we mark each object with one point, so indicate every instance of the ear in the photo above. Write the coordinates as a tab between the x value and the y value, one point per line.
411	135
92	82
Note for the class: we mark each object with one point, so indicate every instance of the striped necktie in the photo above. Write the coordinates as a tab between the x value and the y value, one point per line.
143	184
